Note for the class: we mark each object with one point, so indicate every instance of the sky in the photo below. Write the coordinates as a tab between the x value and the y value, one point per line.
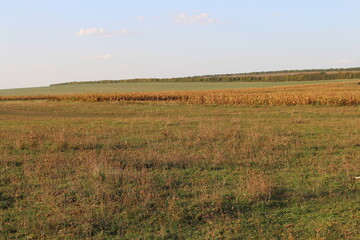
46	41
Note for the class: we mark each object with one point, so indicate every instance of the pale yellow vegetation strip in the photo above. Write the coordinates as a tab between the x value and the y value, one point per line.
336	94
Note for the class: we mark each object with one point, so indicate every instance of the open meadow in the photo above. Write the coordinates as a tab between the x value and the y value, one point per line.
181	170
130	87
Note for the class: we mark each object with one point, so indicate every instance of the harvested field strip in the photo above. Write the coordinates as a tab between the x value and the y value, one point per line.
334	94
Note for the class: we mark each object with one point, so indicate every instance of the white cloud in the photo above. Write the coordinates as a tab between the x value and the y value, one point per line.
98	57
91	31
201	18
101	32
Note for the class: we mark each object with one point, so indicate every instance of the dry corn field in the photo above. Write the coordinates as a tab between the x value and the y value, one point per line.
334	94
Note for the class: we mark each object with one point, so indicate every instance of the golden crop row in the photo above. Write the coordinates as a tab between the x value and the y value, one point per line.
335	94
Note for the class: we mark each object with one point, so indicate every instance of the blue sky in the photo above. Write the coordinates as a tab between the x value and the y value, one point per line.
44	42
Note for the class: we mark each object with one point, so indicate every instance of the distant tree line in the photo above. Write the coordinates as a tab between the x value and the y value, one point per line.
356	69
304	75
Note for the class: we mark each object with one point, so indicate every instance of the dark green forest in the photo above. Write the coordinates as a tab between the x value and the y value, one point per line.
272	76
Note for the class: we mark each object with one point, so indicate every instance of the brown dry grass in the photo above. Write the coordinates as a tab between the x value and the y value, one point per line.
72	170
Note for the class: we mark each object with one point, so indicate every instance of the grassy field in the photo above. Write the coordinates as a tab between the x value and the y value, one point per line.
148	87
333	94
116	170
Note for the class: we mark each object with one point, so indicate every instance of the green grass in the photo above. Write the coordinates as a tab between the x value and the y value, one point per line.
149	87
71	170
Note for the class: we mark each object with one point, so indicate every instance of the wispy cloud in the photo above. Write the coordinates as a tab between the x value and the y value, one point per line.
101	32
98	57
140	18
201	18
91	31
